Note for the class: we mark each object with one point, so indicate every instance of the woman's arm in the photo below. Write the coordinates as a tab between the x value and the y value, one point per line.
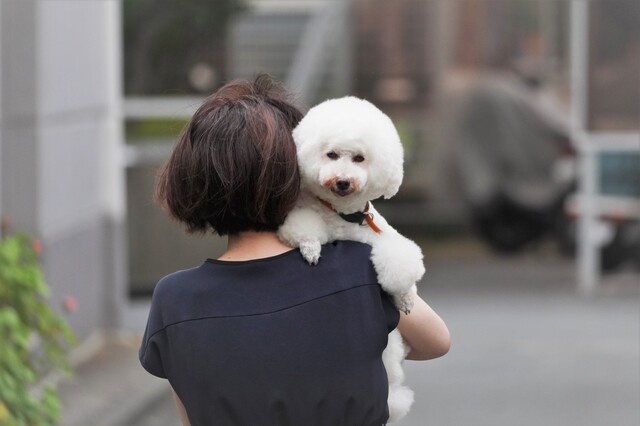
181	411
424	331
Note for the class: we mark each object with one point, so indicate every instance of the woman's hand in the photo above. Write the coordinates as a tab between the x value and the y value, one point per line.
424	331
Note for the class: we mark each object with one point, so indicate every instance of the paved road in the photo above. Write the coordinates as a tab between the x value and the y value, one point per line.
526	349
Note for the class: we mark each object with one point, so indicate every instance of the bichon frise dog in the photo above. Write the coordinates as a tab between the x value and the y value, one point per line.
349	153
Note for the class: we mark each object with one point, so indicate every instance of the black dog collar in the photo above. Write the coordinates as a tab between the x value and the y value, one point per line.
357	217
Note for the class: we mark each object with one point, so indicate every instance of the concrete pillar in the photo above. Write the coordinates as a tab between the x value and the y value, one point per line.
61	141
18	171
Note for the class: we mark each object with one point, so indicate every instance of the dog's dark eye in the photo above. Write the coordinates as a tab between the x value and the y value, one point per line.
332	155
358	159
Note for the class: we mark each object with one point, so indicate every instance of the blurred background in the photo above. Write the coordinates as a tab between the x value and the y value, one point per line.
520	121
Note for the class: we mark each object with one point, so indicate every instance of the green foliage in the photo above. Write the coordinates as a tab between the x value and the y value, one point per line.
33	338
154	128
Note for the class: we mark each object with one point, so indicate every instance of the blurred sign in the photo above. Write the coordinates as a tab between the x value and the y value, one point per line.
619	174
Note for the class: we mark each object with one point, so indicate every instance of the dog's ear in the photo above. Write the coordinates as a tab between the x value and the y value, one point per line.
394	178
392	151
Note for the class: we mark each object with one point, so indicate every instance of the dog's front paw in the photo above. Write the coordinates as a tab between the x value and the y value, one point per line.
310	251
398	263
404	301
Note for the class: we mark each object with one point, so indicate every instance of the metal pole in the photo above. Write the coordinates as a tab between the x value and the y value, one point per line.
588	244
113	174
588	263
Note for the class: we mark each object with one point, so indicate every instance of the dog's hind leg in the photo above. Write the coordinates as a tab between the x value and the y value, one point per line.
400	396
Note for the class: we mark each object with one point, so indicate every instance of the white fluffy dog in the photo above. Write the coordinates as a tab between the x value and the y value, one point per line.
349	153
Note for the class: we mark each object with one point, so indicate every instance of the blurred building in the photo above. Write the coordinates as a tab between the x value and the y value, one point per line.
94	94
393	59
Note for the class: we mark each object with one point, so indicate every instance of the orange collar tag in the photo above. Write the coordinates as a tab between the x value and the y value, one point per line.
369	219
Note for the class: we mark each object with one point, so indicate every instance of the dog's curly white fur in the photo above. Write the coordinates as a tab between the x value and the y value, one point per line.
349	153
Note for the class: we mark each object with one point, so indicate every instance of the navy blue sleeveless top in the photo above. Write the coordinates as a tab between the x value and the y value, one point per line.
274	341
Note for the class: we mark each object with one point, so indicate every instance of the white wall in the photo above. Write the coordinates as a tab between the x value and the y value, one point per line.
61	139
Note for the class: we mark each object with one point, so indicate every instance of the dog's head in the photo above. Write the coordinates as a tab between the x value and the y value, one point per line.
349	152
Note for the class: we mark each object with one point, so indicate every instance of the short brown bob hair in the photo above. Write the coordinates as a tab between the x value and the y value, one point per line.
234	167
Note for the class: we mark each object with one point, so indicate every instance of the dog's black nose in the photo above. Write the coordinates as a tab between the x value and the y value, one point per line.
343	185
